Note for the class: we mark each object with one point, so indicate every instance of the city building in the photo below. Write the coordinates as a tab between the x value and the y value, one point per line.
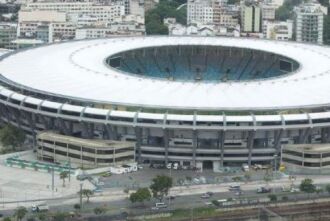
268	12
309	23
278	30
106	13
251	19
8	33
128	25
84	153
150	4
172	96
199	11
306	158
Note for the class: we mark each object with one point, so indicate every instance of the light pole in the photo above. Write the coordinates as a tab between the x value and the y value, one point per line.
275	164
80	195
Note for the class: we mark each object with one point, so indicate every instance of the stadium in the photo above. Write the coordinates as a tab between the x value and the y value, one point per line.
200	101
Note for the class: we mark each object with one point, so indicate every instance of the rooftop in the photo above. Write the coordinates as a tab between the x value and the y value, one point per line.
77	69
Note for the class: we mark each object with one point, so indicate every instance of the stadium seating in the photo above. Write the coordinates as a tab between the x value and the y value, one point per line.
201	65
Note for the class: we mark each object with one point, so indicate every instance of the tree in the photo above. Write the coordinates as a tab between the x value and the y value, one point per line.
42	216
11	136
286	10
59	216
160	186
233	2
307	186
164	9
267	179
99	210
63	176
247	176
76	206
20	212
141	195
215	202
327	188
87	193
7	219
237	179
272	197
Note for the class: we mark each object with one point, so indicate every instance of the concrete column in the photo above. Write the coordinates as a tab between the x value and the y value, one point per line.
166	144
221	140
195	145
323	135
138	134
250	141
277	141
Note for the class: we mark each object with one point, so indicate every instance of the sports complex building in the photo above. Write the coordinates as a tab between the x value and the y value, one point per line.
200	101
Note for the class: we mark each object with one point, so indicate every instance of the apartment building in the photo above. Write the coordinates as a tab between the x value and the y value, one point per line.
309	23
250	17
199	11
105	13
7	35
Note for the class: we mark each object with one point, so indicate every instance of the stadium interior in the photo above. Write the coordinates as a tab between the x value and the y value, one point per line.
202	63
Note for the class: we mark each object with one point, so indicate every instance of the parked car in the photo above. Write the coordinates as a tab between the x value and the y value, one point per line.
234	187
264	190
158	206
205	196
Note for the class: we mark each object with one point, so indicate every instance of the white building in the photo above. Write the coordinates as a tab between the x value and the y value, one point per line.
309	23
278	30
125	25
105	13
250	17
276	3
268	12
41	15
199	11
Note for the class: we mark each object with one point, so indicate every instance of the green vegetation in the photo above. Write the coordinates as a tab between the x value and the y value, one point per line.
63	176
99	210
87	193
141	195
11	137
20	213
237	179
160	186
165	9
327	188
59	216
286	10
195	213
272	197
307	186
233	2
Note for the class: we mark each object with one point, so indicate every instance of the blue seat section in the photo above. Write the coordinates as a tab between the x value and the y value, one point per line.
235	66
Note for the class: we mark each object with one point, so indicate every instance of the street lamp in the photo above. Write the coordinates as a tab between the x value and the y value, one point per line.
275	164
80	195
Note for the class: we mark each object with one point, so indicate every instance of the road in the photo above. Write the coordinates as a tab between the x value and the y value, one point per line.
180	201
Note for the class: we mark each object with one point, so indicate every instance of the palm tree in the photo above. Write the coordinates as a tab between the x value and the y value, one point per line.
20	212
63	176
87	193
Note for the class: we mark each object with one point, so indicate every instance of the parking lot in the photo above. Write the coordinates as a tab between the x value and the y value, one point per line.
143	177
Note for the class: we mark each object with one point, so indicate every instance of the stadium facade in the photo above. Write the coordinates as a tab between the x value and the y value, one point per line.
200	101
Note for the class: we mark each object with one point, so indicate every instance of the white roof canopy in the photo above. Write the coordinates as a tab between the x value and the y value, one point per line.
76	69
